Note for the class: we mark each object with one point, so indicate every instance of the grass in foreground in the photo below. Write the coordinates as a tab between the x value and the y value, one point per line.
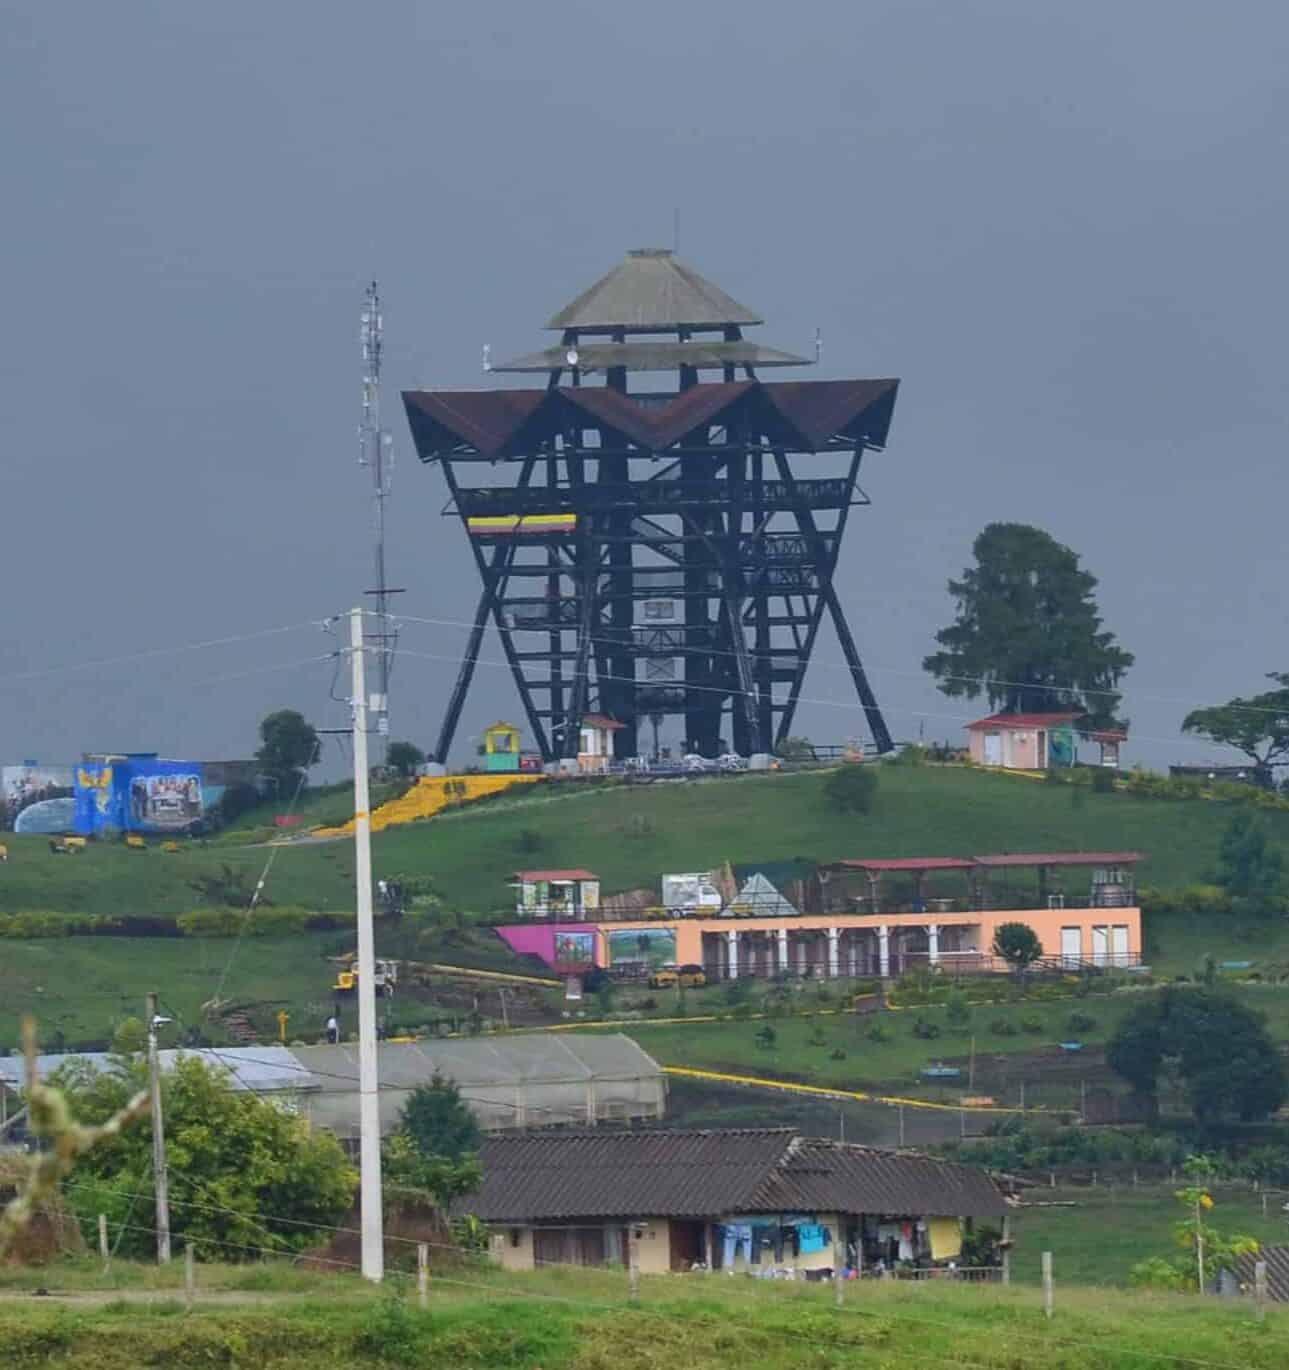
581	1320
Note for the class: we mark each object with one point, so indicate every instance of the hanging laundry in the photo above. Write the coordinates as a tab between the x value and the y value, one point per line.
810	1238
946	1239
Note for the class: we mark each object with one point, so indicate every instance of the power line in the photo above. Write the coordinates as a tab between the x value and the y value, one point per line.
848	705
983	681
151	652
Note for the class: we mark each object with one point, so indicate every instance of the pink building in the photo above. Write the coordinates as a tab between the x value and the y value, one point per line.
1022	742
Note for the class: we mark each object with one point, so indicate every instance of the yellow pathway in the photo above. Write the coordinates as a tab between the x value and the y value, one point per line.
431	795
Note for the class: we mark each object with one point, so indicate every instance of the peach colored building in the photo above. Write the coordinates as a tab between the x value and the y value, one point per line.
1022	742
883	917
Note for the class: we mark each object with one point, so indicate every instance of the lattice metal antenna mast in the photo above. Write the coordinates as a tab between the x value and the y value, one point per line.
375	450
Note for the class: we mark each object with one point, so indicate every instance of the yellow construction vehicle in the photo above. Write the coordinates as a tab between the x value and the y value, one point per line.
386	978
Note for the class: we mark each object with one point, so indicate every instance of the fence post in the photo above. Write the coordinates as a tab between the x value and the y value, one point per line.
633	1267
1007	1249
190	1276
423	1273
1264	1203
1047	1283
1260	1289
838	1288
103	1249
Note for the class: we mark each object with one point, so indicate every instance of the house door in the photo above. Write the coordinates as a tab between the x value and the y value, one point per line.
550	1247
1119	944
686	1244
1071	946
993	749
1100	946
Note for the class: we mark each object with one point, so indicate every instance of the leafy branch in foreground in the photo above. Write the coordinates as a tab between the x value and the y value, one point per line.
50	1117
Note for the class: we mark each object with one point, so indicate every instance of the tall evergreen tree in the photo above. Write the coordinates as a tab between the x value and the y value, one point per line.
1028	634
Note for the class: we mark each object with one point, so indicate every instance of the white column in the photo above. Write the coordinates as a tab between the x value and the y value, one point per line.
884	951
783	951
852	955
933	943
731	939
833	967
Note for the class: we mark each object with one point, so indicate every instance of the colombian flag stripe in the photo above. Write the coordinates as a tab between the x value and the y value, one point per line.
526	523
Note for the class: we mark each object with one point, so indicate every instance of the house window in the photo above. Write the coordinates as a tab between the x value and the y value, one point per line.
660	608
516	1236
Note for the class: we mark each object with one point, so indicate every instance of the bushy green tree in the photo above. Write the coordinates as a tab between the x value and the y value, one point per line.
433	1153
795	749
1028	634
1017	944
439	1121
244	1175
404	757
1257	726
289	745
852	788
1217	1047
1249	866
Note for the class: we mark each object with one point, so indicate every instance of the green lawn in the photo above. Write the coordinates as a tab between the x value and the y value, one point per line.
1100	1239
631	834
568	1319
805	1049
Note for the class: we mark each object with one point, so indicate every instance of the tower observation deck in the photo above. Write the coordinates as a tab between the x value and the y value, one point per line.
660	528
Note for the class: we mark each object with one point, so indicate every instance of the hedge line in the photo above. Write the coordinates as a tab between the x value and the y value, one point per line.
270	922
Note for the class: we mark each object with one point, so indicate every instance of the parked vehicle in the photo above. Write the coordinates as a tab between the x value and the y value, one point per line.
385	979
686	977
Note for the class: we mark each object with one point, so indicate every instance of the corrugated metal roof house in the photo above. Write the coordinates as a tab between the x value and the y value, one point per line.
739	1199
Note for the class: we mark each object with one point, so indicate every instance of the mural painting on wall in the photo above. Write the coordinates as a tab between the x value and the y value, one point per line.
574	948
654	947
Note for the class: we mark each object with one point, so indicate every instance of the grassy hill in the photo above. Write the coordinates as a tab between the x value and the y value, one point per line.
630	834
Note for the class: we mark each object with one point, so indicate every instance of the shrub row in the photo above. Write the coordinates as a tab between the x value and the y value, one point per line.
270	922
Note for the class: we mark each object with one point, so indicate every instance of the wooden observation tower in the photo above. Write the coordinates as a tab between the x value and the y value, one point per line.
652	542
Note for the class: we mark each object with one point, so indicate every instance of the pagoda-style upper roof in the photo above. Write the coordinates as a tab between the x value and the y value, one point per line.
649	291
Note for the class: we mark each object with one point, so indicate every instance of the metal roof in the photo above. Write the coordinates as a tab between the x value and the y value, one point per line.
529	1057
1277	1259
837	1176
1023	720
909	863
651	291
800	415
702	354
577	874
1061	858
260	1069
548	1177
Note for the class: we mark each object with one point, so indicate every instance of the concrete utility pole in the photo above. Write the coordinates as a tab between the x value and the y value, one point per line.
160	1180
373	1240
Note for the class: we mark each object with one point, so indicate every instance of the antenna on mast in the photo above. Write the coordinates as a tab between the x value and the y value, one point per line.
375	450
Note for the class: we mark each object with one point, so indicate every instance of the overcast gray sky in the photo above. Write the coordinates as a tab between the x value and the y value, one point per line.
1063	226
